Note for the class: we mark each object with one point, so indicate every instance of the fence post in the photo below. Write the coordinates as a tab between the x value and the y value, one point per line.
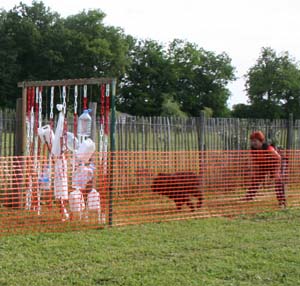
290	133
201	146
238	134
19	132
112	152
201	132
1	130
23	122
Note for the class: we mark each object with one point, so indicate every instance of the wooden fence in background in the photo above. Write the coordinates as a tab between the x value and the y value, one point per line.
7	132
170	133
175	134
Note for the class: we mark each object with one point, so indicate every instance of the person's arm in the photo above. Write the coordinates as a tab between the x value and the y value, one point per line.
275	158
274	154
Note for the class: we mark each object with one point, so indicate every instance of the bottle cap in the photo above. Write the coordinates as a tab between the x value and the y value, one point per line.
59	107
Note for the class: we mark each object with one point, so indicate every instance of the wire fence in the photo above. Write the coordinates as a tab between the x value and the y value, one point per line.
58	194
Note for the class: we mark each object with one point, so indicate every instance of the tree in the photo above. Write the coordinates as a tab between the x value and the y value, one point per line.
273	85
196	79
146	81
242	111
170	107
37	43
208	112
201	78
9	68
93	49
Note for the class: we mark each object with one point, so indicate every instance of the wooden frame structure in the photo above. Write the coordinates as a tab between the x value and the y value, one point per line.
69	82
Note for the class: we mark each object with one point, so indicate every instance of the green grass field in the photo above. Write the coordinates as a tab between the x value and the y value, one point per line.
259	250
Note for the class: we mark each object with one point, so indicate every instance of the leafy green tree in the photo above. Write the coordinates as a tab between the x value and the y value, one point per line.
242	111
201	78
146	81
9	68
93	49
273	85
38	44
208	112
170	107
195	78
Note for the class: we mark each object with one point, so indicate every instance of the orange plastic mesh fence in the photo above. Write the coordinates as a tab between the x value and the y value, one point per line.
39	194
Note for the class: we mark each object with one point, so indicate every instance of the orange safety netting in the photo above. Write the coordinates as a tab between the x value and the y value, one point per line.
121	188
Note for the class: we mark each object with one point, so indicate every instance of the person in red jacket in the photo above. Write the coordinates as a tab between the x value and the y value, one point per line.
266	161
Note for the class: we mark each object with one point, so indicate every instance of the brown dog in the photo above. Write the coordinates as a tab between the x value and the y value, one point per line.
179	187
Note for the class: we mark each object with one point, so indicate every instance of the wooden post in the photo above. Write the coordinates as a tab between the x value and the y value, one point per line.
23	123
19	132
143	134
290	135
5	133
12	133
169	134
201	146
134	136
238	135
201	132
1	130
112	152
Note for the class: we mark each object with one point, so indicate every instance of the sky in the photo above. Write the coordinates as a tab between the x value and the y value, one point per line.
238	27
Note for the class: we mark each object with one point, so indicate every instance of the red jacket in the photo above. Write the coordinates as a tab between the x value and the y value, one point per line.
267	158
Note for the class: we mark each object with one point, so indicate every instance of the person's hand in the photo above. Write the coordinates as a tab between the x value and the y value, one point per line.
277	175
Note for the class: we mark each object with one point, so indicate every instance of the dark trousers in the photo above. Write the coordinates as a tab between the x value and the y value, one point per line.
258	178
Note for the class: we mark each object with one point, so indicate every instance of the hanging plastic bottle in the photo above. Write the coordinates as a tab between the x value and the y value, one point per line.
86	150
72	142
82	176
85	124
93	204
76	203
46	134
93	200
44	180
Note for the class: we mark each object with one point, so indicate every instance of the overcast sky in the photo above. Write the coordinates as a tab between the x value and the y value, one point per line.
238	27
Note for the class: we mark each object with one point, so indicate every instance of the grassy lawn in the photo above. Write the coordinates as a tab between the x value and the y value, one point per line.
259	250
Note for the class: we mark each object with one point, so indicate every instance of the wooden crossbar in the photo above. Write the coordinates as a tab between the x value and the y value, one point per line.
66	82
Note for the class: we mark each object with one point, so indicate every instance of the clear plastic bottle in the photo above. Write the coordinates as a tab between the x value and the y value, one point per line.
85	151
44	179
85	124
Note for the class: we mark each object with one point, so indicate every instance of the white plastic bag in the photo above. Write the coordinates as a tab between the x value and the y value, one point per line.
72	142
56	146
61	178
